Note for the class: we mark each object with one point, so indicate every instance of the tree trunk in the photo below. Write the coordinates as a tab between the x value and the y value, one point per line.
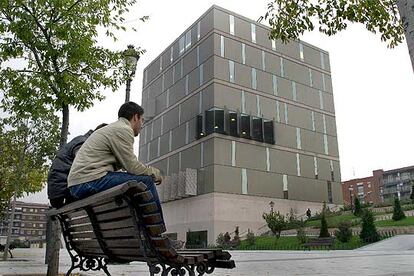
10	228
53	242
406	9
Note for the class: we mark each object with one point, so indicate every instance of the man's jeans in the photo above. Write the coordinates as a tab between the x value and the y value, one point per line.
113	179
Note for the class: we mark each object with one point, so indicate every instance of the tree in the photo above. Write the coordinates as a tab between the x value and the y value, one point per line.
398	213
324	233
62	65
357	207
344	232
369	231
26	145
412	191
276	222
290	19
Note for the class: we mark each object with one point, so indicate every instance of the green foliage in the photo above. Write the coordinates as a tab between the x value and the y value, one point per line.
344	232
398	213
250	238
220	239
408	221
357	207
369	231
333	221
60	63
276	222
301	235
26	145
412	191
290	19
324	233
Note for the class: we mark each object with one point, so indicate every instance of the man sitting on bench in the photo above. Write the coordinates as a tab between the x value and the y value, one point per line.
109	149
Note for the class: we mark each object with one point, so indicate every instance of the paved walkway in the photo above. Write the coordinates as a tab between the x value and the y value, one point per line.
393	257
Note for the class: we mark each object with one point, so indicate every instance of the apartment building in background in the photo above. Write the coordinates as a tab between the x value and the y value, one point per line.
237	121
29	223
382	186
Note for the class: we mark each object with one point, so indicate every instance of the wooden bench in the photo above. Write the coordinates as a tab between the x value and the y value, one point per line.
320	242
123	224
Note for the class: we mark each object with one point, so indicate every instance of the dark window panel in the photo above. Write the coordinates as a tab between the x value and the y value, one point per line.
200	133
285	194
209	122
233	131
268	128
257	129
219	121
330	192
245	126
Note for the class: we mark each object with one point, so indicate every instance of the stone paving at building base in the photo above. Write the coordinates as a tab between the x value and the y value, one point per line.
394	256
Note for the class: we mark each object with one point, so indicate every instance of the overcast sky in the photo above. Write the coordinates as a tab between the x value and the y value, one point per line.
373	85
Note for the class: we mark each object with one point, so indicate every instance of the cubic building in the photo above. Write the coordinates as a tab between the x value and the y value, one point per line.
29	223
237	121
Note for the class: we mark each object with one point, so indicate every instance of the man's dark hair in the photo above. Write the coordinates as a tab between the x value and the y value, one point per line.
129	109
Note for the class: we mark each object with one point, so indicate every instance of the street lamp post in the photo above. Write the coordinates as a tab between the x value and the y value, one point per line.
272	204
131	57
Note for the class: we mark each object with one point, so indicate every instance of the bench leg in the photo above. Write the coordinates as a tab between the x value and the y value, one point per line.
181	270
88	264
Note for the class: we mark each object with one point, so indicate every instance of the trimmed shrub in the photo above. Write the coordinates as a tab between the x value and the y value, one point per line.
369	231
398	213
357	207
344	232
301	235
276	222
324	233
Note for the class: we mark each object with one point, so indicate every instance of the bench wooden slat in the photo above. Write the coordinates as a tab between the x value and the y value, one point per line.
76	215
152	218
77	221
206	254
156	229
229	264
122	242
124	223
83	235
116	233
79	228
115	215
108	206
148	208
144	196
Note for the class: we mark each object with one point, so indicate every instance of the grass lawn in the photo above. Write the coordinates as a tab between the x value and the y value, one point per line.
292	243
332	221
404	222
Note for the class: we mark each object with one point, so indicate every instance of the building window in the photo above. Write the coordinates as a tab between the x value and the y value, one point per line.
320	99
231	71
302	57
313	120
233	124
198	30
201	74
286	114
173	75
187	133
268	129
162	124
243	102
257	129
325	143
263	60
214	121
245	126
273	45
198	55
282	67
332	170
179	114
231	21
253	32
200	132
171	54
258	109
298	164
244	181
295	98
330	200
322	61
324	123
274	82
148	151
145	76
202	155
285	187
222	46
310	78
181	44
315	166
243	53
159	146
254	78
181	68
277	112
179	161
188	40
267	159
162	83
152	130
186	84
233	153
298	139
160	64
200	102
323	82
168	98
170	141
